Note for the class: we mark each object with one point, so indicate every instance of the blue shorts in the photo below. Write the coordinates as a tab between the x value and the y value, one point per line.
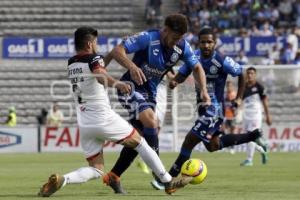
135	103
206	127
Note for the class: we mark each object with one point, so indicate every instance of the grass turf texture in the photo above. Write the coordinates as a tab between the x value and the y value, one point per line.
21	175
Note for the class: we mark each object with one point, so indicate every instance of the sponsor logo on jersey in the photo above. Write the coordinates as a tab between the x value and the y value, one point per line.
212	75
101	62
96	58
150	72
155	52
174	57
214	61
155	42
9	139
213	69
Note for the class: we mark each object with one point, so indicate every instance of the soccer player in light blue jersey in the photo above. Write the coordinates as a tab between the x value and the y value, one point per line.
207	127
155	53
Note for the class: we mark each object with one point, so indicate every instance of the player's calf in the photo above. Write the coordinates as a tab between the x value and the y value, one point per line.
236	139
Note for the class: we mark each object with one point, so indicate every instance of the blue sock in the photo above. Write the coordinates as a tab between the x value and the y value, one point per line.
184	155
150	135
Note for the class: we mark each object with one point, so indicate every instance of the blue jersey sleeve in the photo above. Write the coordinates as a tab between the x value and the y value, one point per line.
184	70
189	58
136	42
231	67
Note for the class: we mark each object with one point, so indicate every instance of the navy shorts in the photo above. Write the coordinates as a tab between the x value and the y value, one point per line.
135	103
206	127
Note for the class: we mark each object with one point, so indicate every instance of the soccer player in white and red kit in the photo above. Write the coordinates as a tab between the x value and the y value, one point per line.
97	122
254	101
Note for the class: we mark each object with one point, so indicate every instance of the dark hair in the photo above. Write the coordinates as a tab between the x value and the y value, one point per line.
177	23
206	30
251	68
82	35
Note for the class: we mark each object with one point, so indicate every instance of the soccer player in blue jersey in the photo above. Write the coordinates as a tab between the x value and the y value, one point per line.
155	53
206	128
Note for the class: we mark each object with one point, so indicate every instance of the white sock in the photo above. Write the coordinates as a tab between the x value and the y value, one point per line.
250	151
152	160
82	175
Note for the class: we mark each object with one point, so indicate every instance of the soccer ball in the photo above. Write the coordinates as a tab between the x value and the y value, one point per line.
195	168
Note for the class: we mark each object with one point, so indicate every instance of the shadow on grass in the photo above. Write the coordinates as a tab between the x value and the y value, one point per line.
19	195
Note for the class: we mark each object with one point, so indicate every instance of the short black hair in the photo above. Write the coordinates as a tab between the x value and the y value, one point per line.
251	68
177	23
82	35
206	30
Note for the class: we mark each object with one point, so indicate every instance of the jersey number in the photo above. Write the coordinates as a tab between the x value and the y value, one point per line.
77	91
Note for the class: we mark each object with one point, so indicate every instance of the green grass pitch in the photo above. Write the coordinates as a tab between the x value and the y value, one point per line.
21	175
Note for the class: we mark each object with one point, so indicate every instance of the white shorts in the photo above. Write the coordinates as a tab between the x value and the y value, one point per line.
98	123
161	103
250	125
252	120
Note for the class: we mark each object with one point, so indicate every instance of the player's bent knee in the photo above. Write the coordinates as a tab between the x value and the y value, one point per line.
212	149
133	141
209	149
213	146
148	118
150	123
190	141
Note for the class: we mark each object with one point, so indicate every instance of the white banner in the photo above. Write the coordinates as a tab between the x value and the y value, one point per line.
18	140
66	139
284	138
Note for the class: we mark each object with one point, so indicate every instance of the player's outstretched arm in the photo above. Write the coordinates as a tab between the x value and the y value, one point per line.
107	59
199	76
119	54
105	79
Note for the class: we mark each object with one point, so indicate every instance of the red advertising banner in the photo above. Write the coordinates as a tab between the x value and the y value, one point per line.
66	139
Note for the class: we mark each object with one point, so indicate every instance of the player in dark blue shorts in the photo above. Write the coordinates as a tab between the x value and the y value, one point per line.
206	128
210	118
155	53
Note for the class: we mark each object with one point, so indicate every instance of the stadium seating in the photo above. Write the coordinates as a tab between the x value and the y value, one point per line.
46	17
27	86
